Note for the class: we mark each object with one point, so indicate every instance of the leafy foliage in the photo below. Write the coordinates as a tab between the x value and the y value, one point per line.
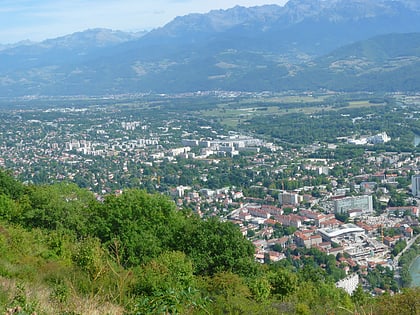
215	246
143	224
97	259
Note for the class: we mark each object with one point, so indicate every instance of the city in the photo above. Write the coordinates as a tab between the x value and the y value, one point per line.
362	210
210	157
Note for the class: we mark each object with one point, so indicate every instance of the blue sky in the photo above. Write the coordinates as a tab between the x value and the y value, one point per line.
37	20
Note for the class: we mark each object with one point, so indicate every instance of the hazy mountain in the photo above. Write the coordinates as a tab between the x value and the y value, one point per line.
387	63
259	48
21	43
62	49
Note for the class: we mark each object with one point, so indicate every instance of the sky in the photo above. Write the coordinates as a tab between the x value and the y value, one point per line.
37	20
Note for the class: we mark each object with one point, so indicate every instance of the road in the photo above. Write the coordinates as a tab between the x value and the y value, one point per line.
409	244
397	258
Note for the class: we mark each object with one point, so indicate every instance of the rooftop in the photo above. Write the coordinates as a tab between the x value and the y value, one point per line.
343	229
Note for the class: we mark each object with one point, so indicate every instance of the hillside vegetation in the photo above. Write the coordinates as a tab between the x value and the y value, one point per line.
62	251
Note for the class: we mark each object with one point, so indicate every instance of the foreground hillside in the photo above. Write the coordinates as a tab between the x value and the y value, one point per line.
64	252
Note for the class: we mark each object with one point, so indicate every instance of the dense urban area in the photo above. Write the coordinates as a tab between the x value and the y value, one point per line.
328	181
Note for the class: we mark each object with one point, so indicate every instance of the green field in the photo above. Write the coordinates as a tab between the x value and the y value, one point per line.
231	114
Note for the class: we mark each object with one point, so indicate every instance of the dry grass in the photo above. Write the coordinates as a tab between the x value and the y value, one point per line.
38	298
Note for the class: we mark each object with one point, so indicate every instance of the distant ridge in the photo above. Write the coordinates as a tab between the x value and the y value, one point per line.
305	45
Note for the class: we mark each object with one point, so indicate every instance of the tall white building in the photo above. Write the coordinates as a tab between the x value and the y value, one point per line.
364	203
286	198
379	138
415	185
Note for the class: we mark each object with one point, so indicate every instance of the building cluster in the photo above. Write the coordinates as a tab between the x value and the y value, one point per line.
362	241
325	203
380	138
228	146
108	148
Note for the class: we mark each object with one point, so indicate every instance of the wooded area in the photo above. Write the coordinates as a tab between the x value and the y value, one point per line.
64	252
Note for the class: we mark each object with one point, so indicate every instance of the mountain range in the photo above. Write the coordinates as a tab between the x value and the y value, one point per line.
348	45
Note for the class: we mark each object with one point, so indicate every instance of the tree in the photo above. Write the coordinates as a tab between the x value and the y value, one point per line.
399	246
10	186
343	217
144	225
89	256
230	295
283	283
215	246
9	210
59	206
408	302
168	271
260	288
360	297
312	273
